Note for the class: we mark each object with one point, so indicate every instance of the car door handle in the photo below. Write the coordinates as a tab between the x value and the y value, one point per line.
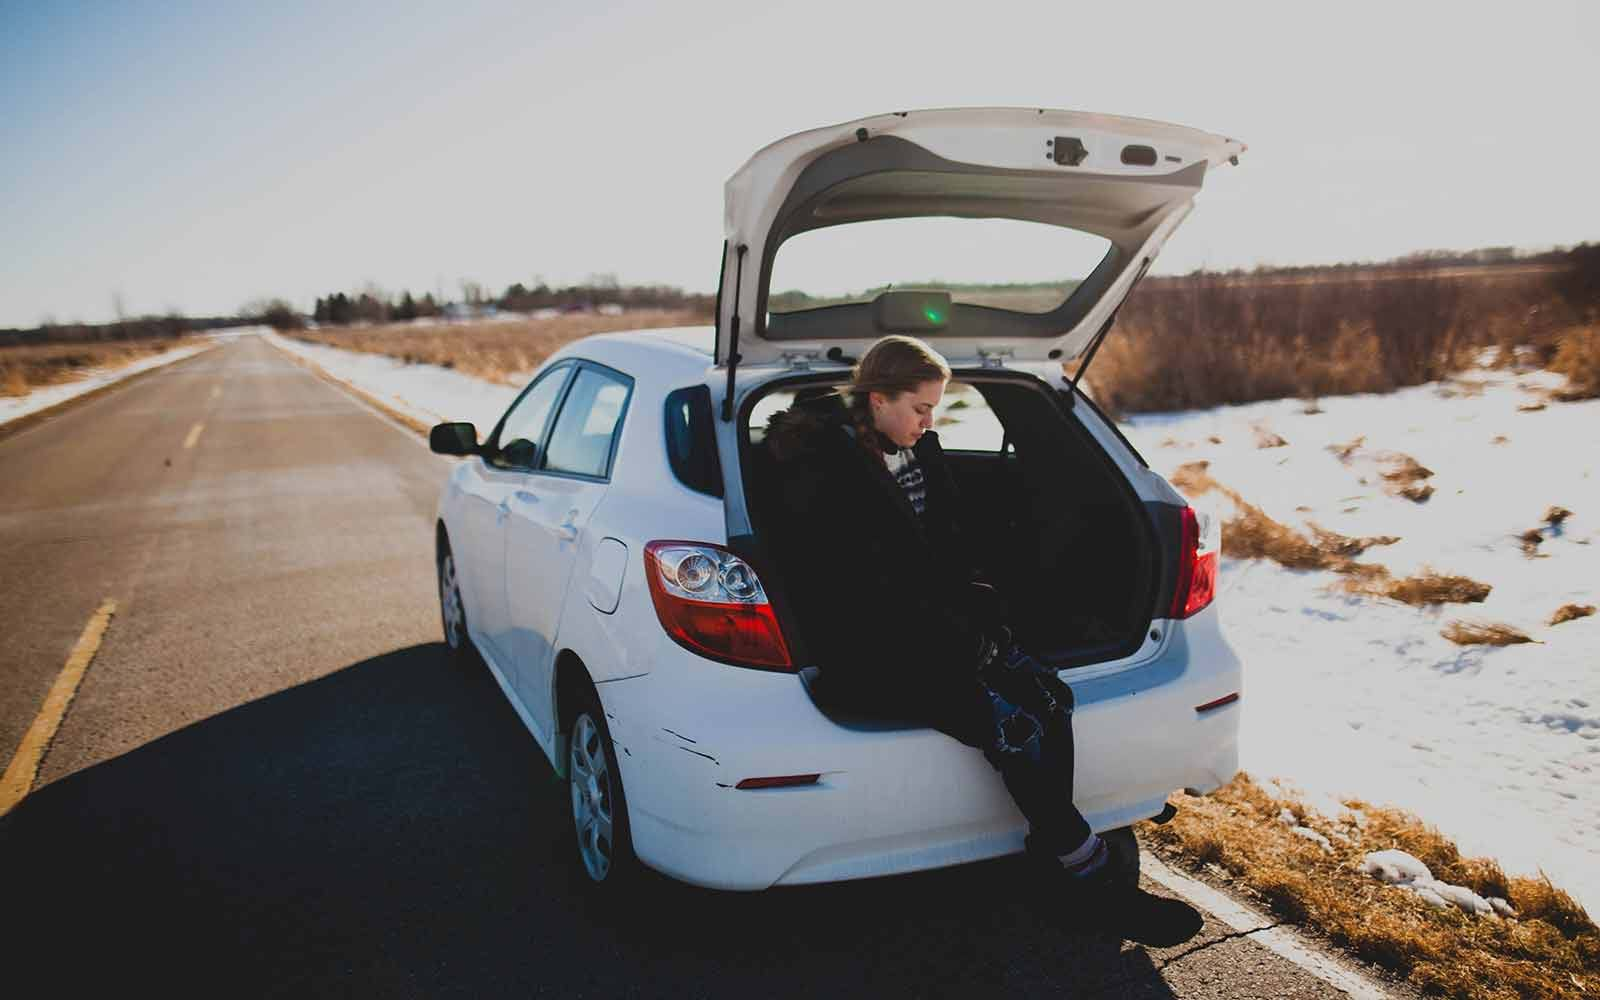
525	496
567	531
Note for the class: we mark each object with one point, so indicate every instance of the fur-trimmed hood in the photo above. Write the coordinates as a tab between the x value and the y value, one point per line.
797	431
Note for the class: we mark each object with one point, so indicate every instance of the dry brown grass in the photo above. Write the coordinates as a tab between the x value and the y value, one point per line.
1568	612
1238	338
1427	588
1482	634
503	351
1193	479
27	367
1460	387
1530	540
1251	534
1578	358
1344	451
1550	949
1530	407
1405	477
1268	439
1345	546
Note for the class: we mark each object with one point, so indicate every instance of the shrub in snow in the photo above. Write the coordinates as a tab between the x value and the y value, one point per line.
1569	612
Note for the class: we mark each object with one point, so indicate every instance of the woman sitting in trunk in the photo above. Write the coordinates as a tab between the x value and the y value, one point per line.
895	613
892	608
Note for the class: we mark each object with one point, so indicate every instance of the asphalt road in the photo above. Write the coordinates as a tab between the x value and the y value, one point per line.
272	782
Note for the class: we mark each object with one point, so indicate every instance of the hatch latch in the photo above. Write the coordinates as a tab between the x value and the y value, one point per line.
801	361
995	357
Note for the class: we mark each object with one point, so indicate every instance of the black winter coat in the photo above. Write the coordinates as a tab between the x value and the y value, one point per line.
888	600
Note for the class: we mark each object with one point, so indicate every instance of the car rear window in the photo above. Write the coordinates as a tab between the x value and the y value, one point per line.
1027	267
691	440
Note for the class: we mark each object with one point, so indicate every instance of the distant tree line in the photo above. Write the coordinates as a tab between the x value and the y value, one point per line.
1575	280
375	306
1420	260
340	309
173	324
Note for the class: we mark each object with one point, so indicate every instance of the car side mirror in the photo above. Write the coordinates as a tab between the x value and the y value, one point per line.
454	439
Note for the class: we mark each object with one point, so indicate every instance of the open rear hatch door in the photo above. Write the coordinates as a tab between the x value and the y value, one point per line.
1125	180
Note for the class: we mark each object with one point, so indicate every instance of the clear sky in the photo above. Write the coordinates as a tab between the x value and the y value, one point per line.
198	156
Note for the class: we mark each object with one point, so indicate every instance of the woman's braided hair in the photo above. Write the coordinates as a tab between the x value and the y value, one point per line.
892	365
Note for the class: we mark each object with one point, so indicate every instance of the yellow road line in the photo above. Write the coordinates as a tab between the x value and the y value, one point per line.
194	435
24	766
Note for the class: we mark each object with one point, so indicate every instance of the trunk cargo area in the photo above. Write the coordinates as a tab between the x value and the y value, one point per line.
1051	521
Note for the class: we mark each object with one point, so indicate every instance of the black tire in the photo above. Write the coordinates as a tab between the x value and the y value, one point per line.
452	611
596	801
1124	861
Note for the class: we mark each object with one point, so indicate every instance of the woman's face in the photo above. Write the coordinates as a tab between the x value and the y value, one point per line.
904	417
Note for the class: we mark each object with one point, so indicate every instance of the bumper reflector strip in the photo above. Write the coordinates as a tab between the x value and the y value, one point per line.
1210	705
786	781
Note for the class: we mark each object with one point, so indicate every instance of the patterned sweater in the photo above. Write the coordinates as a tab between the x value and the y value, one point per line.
907	471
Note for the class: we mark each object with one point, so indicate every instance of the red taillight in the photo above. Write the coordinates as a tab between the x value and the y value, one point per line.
1197	570
711	603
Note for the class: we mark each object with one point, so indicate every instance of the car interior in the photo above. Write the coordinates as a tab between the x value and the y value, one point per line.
1057	530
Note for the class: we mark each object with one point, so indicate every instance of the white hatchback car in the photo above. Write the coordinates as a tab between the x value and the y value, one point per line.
604	550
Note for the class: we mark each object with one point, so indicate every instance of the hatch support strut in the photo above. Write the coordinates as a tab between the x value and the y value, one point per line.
1105	328
733	334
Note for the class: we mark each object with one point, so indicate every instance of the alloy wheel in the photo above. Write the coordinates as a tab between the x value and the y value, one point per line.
589	777
455	618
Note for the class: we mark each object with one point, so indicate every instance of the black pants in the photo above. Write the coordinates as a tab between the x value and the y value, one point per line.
1028	736
1031	745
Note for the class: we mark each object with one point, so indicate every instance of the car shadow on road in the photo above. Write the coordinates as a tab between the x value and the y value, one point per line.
392	829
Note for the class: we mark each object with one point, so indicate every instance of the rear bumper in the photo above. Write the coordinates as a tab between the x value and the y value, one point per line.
889	800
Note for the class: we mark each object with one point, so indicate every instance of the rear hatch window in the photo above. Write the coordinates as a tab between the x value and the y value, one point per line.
1010	264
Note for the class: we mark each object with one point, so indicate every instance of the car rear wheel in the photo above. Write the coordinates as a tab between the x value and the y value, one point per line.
599	810
452	612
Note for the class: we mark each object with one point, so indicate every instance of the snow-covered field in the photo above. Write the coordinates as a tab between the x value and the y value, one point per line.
427	393
12	407
1499	747
1355	696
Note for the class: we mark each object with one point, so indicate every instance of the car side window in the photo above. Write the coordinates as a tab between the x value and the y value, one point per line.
522	430
692	441
586	426
965	422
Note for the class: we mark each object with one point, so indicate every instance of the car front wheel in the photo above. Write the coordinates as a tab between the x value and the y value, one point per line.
452	612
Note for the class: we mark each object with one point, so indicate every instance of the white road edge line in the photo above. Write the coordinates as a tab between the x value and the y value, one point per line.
1259	928
392	422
